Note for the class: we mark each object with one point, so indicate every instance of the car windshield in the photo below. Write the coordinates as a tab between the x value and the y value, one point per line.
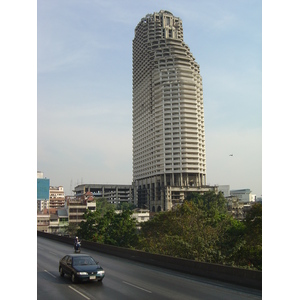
81	260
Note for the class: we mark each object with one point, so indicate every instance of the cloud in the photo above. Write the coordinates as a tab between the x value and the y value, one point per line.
84	87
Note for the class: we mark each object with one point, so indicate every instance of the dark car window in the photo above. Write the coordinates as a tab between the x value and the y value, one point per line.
64	259
81	261
69	259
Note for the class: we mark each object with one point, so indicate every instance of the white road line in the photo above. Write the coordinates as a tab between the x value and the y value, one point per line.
137	287
78	292
50	273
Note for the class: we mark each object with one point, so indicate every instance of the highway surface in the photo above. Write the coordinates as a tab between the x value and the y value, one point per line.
126	279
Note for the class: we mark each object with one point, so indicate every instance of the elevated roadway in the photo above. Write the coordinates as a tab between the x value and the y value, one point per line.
126	279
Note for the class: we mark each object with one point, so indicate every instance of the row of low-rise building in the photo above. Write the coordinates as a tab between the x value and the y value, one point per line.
57	219
55	211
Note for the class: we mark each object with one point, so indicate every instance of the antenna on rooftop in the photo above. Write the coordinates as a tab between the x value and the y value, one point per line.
71	186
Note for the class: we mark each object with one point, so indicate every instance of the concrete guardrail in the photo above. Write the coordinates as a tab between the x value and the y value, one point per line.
244	277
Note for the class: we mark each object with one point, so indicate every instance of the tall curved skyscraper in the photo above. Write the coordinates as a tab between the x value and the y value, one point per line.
168	116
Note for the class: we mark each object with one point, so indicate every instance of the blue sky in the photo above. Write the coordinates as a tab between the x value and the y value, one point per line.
84	87
66	104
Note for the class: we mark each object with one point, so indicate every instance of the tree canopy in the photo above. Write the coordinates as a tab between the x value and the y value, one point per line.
110	228
199	229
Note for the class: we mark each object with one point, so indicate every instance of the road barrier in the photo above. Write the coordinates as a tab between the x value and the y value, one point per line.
244	277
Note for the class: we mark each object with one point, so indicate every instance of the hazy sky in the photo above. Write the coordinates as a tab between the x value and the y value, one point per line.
84	87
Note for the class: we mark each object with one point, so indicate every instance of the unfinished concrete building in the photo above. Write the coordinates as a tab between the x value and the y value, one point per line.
168	116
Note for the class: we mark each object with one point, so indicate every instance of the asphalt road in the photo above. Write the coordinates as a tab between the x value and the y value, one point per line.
125	279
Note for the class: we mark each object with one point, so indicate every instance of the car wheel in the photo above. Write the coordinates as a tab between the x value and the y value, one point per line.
61	273
100	280
73	278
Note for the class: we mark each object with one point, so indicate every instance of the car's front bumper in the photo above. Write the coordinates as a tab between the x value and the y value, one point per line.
90	277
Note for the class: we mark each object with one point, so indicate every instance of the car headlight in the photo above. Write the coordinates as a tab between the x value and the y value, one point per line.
101	272
82	273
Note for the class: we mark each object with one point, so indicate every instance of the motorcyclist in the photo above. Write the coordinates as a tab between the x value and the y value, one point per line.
76	242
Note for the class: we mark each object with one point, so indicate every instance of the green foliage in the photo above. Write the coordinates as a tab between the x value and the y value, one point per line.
252	251
72	229
110	228
213	205
121	231
186	232
102	206
88	228
201	229
125	206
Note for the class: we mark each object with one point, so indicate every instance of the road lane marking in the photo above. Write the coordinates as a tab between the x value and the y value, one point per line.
78	292
50	273
137	287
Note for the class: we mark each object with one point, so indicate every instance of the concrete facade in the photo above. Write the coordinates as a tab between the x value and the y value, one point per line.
169	157
57	196
77	206
113	193
42	204
244	195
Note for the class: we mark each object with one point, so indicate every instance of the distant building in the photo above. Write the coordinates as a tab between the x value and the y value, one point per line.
225	190
43	185
52	220
141	215
169	159
244	195
42	204
259	199
58	222
113	193
57	197
237	208
78	205
43	221
40	174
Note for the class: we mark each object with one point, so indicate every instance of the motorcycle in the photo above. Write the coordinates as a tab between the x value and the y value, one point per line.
77	247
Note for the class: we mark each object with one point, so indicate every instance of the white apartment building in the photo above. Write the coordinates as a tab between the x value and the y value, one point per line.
42	204
244	195
43	221
57	196
77	206
168	115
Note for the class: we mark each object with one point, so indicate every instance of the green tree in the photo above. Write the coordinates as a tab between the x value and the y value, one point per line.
212	204
202	229
121	230
110	228
252	250
88	228
102	205
125	206
232	241
72	229
186	232
242	240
